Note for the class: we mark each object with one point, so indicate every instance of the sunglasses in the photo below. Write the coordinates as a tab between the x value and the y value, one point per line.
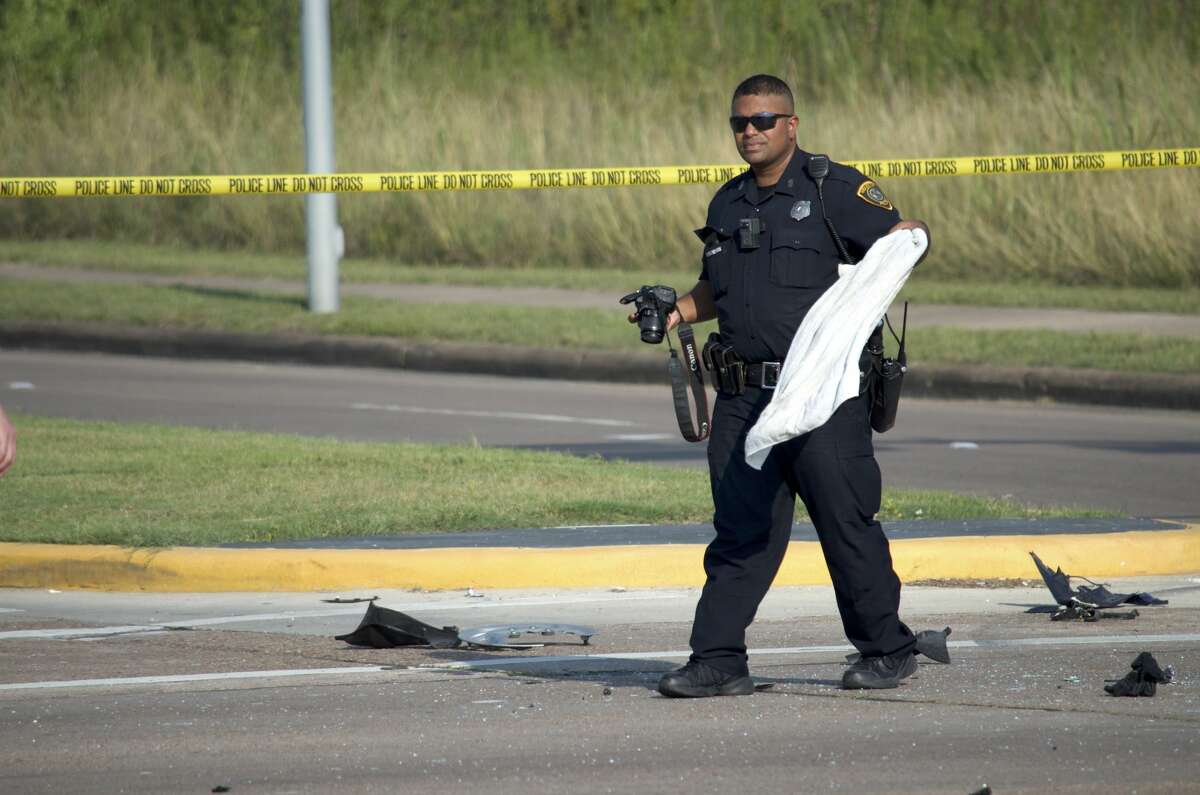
761	121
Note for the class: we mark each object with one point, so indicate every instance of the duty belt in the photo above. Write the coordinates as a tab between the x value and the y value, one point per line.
763	374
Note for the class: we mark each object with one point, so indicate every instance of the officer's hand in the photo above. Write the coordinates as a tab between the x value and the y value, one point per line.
916	225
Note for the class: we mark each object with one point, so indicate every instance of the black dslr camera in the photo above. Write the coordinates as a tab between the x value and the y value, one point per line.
654	303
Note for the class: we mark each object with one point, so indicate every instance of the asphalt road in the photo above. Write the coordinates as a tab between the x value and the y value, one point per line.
1136	461
251	692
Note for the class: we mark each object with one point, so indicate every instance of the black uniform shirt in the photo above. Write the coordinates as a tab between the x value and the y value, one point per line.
763	294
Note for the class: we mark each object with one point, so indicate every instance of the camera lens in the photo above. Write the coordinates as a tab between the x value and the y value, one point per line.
651	326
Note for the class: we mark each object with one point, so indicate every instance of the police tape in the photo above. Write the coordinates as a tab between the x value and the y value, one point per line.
419	181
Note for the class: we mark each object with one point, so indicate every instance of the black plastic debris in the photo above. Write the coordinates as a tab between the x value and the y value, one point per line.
349	600
930	642
1078	613
1081	603
382	628
1142	680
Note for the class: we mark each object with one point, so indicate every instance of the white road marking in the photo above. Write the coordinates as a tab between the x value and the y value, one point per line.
1100	640
498	415
474	604
964	446
20	385
168	680
639	437
11	610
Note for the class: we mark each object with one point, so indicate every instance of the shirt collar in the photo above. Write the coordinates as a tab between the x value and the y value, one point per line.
789	181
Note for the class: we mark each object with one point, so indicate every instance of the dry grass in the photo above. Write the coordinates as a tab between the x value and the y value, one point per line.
1120	229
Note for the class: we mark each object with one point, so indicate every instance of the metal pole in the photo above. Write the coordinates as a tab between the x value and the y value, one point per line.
325	245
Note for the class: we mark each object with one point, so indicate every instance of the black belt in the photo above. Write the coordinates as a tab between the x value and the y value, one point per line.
763	374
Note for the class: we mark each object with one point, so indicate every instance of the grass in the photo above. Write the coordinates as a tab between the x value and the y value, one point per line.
186	88
104	255
150	485
248	311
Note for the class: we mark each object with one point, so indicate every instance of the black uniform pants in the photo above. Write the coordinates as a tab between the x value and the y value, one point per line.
833	470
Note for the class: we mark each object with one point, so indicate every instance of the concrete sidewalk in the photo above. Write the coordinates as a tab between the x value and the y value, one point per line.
970	317
599	557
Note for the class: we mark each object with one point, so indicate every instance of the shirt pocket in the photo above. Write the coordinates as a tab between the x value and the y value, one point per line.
802	261
718	261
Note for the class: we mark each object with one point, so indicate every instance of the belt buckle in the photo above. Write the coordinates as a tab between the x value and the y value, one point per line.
770	374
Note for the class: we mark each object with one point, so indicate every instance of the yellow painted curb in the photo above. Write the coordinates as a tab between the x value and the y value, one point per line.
185	569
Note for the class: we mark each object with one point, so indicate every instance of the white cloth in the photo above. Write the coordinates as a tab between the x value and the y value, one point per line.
821	369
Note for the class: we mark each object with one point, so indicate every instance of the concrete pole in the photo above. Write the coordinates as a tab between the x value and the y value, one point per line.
325	242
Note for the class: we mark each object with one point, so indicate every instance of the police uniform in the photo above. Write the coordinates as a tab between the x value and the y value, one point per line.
762	294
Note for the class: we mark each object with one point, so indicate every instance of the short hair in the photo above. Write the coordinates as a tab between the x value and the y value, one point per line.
764	85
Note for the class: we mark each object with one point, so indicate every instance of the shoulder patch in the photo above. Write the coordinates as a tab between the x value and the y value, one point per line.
871	194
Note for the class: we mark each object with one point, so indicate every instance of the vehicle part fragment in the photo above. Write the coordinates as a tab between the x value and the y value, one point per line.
1083	602
1142	680
930	642
516	636
381	628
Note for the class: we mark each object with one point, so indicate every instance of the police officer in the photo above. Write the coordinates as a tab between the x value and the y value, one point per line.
768	256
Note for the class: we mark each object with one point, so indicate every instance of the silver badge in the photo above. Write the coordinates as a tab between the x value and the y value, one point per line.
801	209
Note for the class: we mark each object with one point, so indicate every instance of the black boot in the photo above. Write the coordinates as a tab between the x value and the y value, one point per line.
697	680
879	673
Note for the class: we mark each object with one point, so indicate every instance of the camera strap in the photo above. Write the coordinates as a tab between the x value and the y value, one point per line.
693	429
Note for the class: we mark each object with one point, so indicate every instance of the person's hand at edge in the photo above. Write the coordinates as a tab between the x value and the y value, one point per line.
8	443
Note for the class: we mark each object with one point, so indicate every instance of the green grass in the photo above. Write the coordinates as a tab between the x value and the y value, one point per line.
150	485
161	260
180	307
101	255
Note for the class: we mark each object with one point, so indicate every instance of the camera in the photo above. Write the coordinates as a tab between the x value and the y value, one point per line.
748	232
654	303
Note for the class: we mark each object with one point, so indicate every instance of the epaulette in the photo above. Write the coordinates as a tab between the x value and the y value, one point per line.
863	186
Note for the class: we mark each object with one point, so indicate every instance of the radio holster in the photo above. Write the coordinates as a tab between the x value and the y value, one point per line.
727	368
883	377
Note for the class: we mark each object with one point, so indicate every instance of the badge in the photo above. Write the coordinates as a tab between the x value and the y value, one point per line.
871	194
801	209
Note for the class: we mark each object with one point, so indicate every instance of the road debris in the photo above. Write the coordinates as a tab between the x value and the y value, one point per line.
1084	602
509	636
930	642
1142	680
381	628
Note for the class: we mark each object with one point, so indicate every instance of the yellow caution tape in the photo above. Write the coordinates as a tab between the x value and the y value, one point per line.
406	182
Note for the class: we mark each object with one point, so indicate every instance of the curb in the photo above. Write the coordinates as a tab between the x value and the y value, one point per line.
193	569
1098	387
